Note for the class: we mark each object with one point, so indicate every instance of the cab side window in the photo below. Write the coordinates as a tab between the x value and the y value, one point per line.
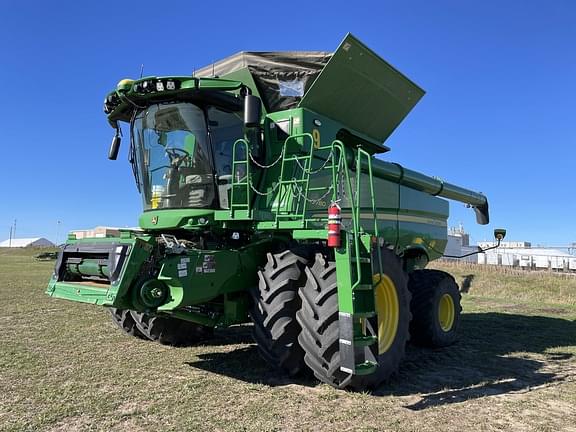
225	129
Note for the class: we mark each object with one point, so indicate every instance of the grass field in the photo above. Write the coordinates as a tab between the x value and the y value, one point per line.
65	367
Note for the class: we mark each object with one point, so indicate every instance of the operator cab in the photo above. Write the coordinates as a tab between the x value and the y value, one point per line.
182	154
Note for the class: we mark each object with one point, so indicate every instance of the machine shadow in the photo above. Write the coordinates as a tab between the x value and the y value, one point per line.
477	366
234	335
480	363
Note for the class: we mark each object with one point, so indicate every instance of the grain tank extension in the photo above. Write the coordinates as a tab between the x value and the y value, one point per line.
264	201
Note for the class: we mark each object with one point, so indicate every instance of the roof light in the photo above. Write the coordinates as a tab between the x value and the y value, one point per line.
124	84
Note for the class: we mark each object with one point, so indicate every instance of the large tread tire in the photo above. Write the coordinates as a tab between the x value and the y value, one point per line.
125	322
320	335
171	331
273	311
427	288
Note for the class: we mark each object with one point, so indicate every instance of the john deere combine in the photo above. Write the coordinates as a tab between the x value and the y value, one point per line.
264	200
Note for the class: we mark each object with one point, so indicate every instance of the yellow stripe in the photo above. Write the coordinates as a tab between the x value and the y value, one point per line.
392	217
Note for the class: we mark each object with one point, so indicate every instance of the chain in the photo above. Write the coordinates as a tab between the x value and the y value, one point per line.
319	169
266	166
311	201
295	186
257	192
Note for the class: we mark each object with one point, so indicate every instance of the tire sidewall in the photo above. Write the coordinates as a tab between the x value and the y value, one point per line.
389	361
440	336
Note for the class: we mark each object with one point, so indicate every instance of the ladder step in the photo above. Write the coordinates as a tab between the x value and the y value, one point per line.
294	158
364	287
366	368
364	314
362	260
365	340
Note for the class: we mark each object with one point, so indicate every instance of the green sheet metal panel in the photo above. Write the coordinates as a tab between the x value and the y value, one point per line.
362	91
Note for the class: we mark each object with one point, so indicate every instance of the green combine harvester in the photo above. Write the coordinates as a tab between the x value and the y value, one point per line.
264	200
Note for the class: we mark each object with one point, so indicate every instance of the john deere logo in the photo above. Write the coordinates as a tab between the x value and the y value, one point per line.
154	220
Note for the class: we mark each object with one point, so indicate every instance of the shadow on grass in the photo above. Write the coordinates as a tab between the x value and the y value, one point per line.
235	335
477	366
480	363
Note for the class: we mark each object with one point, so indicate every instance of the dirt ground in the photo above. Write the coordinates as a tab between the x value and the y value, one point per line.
65	367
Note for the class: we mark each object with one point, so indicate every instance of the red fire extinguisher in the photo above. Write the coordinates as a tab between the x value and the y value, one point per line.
334	222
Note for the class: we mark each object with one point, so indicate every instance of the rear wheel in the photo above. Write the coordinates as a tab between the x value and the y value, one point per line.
320	335
273	311
435	308
170	331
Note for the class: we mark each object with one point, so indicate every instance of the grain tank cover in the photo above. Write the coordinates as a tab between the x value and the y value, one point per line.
360	90
353	86
281	78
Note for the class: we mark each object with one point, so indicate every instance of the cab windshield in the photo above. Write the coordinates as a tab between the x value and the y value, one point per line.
182	159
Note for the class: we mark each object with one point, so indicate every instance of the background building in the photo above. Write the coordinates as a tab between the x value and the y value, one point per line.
519	254
99	231
459	244
522	255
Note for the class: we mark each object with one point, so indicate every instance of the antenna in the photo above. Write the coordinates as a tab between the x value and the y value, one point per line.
57	231
141	70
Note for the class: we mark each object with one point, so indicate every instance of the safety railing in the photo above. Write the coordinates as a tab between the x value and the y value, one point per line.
240	196
292	187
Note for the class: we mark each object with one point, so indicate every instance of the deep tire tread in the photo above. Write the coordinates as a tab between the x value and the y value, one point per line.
273	311
171	331
125	322
426	287
320	333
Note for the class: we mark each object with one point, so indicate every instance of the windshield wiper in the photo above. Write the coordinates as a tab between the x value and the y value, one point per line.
132	153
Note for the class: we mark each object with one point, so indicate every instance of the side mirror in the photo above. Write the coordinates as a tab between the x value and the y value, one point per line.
499	234
252	111
115	146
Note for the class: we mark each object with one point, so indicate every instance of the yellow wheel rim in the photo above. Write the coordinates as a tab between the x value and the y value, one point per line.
388	310
446	312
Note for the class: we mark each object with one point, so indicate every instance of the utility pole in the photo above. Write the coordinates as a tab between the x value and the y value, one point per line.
10	238
57	231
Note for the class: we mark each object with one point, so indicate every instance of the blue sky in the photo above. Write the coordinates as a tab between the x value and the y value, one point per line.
499	114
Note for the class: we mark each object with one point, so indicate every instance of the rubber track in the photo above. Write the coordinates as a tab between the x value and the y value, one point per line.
125	322
171	331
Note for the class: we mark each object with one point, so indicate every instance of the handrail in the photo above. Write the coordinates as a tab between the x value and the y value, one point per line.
305	176
236	182
363	153
355	199
339	146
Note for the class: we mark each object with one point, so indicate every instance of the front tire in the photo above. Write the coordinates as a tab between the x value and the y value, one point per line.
273	311
320	335
435	308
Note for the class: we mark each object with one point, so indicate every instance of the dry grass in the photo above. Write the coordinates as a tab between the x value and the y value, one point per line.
65	367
